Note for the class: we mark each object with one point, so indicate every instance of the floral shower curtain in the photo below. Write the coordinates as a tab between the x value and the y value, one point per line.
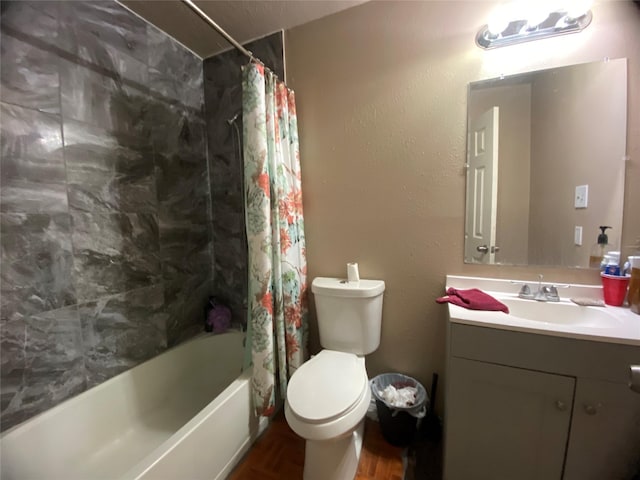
275	234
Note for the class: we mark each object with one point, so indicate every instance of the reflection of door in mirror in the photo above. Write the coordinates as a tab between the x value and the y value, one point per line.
482	187
512	222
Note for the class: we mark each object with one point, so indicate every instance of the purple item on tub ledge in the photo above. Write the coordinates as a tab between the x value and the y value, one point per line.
217	316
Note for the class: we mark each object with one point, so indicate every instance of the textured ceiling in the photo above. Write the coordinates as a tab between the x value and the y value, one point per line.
243	20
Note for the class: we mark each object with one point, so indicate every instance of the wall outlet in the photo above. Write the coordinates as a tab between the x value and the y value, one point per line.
577	236
582	196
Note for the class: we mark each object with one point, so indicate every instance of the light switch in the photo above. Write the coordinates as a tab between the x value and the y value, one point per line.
577	236
582	196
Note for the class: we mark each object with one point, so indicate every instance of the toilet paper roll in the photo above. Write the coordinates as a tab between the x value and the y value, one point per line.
352	272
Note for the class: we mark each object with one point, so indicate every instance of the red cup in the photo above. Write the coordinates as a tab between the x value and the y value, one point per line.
615	289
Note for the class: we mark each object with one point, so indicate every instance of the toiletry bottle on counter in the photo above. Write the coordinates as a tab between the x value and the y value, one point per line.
599	249
634	284
613	264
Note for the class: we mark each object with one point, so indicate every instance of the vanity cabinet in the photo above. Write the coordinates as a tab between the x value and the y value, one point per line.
605	432
528	406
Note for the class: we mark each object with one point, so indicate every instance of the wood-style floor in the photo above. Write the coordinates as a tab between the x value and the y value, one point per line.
279	455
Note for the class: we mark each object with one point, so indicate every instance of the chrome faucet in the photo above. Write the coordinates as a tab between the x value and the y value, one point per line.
545	293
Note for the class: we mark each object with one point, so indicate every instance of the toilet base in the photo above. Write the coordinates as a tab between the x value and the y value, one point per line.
335	459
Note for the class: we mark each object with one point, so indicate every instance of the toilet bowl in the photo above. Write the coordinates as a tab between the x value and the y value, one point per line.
327	399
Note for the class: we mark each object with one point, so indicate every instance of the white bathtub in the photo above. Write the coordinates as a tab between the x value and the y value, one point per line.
185	414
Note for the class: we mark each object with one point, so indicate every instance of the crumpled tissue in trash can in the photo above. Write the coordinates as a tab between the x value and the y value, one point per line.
399	397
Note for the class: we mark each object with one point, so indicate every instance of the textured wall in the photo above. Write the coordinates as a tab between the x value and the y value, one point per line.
223	100
381	91
106	230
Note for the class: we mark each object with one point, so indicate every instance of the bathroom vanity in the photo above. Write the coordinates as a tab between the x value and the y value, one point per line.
543	395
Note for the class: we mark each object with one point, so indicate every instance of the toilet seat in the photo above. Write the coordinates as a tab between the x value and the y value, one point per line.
327	387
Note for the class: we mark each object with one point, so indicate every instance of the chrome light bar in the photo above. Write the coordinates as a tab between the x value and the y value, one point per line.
519	31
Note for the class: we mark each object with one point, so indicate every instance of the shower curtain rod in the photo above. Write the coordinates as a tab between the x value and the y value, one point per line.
221	31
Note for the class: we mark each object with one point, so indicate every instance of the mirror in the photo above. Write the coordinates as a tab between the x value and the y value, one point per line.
532	139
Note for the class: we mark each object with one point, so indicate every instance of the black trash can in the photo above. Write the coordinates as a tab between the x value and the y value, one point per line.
398	424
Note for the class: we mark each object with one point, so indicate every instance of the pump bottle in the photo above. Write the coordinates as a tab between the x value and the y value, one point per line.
599	249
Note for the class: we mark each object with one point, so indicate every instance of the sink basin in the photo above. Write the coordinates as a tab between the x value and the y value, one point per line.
560	313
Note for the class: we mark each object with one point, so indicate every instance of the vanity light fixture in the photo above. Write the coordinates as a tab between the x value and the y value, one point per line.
508	29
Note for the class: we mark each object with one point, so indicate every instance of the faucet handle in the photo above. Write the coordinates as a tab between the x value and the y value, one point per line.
525	292
552	294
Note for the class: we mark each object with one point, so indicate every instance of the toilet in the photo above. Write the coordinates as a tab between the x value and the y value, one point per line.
328	396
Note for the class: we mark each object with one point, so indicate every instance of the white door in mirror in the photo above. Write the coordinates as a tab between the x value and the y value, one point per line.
482	188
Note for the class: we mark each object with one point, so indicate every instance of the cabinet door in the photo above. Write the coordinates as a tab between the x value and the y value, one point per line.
505	423
605	432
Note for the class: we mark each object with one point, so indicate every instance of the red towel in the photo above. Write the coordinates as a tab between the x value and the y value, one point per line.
473	299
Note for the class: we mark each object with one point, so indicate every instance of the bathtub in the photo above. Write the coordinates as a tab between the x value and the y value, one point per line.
185	414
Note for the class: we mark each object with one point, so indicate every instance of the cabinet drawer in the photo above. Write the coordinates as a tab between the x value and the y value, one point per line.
565	356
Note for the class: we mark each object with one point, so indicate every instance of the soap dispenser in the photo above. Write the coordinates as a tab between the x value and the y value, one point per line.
599	249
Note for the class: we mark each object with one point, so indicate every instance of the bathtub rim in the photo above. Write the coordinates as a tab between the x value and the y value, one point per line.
33	422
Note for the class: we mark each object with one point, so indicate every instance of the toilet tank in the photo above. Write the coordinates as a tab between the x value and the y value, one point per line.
349	314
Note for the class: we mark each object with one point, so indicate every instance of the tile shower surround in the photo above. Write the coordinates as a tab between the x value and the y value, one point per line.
109	215
105	209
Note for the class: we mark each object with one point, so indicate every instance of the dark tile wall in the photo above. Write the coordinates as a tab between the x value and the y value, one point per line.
105	208
223	101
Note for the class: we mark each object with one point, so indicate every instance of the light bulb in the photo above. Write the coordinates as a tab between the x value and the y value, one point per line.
497	26
536	15
499	21
578	8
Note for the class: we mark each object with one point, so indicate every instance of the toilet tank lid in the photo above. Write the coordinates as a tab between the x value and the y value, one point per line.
339	287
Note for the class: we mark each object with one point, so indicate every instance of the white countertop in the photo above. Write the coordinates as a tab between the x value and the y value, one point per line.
617	324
